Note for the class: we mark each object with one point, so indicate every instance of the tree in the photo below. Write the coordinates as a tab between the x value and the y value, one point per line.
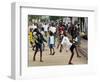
54	18
30	17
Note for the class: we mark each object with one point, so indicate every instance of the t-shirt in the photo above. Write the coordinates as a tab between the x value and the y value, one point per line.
52	29
45	27
61	30
66	41
51	39
34	26
30	36
42	32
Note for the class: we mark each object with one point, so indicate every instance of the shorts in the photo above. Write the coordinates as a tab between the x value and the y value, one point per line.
38	46
51	46
72	47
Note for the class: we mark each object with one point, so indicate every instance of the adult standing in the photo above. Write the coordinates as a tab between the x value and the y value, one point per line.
45	26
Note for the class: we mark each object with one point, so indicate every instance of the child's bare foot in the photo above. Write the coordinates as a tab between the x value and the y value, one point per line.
50	54
57	47
41	60
53	53
70	63
60	50
33	58
78	56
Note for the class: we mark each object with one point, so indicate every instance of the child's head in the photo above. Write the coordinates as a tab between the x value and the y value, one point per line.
65	33
50	33
42	29
30	29
36	30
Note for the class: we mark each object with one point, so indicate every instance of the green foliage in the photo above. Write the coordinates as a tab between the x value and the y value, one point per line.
30	17
54	18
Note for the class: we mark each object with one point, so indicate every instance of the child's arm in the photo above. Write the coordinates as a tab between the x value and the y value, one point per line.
44	39
61	48
48	41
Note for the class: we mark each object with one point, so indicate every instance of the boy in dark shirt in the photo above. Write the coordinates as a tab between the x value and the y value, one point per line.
38	42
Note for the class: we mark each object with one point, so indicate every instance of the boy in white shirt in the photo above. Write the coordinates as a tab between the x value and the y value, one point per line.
70	45
45	26
51	43
34	26
52	29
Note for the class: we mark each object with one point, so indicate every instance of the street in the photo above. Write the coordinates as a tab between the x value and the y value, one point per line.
59	58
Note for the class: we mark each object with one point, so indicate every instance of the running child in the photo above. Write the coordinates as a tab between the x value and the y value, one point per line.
38	43
70	45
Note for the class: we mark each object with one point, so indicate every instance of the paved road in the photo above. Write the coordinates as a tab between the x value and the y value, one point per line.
58	58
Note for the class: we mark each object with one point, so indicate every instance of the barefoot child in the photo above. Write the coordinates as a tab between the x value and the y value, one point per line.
70	45
51	43
31	37
38	44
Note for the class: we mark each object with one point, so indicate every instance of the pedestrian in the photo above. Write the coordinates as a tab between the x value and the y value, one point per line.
70	45
51	43
34	39
45	26
34	26
60	33
73	31
78	36
60	37
31	37
52	29
43	34
39	41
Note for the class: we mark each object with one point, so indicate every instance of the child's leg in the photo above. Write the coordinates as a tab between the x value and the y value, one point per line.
59	42
61	48
31	43
71	57
53	51
72	54
58	45
41	54
35	53
43	46
77	52
50	51
33	47
50	46
45	34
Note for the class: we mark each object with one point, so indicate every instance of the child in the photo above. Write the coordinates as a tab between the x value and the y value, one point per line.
60	37
38	43
43	34
51	43
70	45
34	39
60	32
31	37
